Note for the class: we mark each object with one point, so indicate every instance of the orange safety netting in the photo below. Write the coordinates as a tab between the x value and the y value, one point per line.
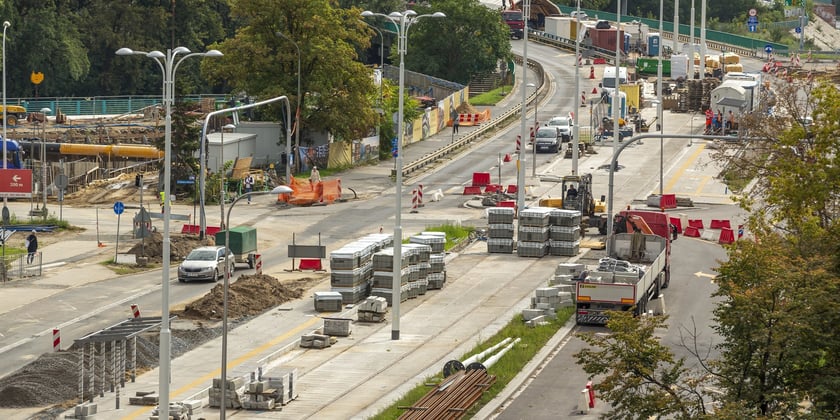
305	194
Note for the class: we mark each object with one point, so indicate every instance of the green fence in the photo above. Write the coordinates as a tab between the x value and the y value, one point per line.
103	105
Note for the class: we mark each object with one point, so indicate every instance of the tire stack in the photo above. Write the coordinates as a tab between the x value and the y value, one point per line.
500	230
533	232
564	232
351	267
383	275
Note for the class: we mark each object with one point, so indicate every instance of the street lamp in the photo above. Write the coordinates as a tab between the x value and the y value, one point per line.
536	127
297	117
6	25
403	21
520	158
168	65
576	133
44	111
223	172
282	189
659	111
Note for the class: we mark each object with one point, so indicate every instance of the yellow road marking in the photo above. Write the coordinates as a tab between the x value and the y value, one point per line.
684	167
231	364
703	183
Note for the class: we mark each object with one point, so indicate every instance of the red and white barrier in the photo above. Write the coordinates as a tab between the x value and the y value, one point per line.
135	311
414	199
420	195
583	98
518	143
258	259
56	340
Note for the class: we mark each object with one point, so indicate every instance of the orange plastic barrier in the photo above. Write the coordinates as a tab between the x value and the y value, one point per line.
472	190
720	224
472	119
726	236
692	232
481	179
511	189
507	203
695	223
676	222
491	188
668	201
331	190
305	194
196	229
310	264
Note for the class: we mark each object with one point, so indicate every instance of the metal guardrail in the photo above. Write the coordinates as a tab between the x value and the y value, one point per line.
481	131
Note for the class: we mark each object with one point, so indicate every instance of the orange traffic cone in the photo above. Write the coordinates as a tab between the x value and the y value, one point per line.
594	91
507	158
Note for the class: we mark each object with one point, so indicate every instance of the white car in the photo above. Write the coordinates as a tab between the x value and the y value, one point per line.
565	125
205	263
581	15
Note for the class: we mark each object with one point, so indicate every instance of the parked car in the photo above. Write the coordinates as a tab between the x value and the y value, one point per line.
566	127
205	263
575	13
547	139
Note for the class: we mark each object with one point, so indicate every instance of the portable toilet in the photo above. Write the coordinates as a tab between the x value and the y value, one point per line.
622	104
626	42
653	44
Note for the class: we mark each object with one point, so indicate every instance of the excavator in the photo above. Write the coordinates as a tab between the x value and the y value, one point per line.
581	199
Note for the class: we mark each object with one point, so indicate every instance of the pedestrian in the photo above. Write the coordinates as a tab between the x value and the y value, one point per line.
314	176
455	124
249	186
730	121
31	247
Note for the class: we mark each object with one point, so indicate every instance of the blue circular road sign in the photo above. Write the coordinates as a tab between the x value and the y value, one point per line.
768	48
119	207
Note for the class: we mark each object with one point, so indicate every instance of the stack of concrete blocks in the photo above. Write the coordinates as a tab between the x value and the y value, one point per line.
419	263
84	411
564	232
338	327
193	408
328	301
383	274
144	398
500	230
259	396
177	411
283	384
567	274
316	341
437	271
234	390
372	309
533	232
545	303
350	270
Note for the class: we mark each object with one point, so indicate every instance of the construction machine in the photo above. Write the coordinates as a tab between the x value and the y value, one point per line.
581	199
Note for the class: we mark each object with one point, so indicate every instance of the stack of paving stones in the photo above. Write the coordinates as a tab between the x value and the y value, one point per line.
234	390
259	396
436	276
281	385
564	236
339	327
316	341
500	230
184	410
383	274
351	269
568	274
533	232
419	265
545	303
372	309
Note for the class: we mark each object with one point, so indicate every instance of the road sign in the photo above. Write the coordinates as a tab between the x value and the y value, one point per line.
119	207
15	183
768	48
798	29
61	181
185	181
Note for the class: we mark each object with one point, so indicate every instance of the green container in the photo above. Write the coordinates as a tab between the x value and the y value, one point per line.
243	240
648	66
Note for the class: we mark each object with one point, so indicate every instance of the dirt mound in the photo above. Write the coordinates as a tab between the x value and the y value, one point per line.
466	108
51	379
250	295
179	246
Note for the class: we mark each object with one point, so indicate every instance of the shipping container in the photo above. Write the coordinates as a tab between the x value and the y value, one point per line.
605	38
649	66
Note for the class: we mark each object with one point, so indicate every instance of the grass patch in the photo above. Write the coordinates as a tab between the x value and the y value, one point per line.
532	341
455	234
737	178
492	97
122	269
39	221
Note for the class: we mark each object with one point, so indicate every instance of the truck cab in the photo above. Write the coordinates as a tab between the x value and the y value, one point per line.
609	82
515	21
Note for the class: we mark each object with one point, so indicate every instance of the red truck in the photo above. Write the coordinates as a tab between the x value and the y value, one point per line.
515	21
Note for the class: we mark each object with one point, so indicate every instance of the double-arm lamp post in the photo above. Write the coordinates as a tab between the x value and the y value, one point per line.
168	64
403	21
289	159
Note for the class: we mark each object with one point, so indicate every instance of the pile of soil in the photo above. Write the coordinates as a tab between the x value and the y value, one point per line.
179	246
250	295
466	108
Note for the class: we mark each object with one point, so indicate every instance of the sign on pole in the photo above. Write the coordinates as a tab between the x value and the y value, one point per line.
119	208
16	183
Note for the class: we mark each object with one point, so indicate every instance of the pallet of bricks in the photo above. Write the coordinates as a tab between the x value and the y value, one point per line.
418	268
383	275
351	267
564	232
433	269
500	230
533	232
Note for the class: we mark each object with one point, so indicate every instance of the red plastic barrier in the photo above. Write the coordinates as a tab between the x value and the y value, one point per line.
481	179
310	264
507	203
491	188
195	230
474	190
599	61
720	224
668	201
726	236
695	223
692	232
676	222
511	189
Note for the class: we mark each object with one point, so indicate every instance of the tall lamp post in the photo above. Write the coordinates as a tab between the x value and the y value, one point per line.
282	189
576	132
536	126
45	111
6	25
168	64
403	21
297	117
223	172
659	112
520	158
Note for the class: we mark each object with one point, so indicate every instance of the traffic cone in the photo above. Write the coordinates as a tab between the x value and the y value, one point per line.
507	158
594	91
592	72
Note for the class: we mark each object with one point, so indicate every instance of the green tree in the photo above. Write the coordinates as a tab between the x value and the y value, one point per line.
335	87
638	375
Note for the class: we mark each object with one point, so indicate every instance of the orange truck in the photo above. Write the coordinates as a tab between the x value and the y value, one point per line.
515	21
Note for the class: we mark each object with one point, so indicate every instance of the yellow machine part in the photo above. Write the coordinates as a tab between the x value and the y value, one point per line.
14	108
600	206
551	202
118	150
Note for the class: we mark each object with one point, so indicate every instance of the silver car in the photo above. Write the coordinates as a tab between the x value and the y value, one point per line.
205	263
565	125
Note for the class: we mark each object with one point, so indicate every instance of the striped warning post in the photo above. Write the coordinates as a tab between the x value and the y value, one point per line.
580	60
135	311
414	199
518	143
56	339
583	98
420	195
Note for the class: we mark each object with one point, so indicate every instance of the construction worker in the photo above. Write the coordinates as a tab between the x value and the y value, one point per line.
249	186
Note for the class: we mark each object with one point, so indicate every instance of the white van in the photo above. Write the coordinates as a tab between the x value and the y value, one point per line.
608	82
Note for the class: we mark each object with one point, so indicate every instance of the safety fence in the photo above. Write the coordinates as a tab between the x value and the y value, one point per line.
16	266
